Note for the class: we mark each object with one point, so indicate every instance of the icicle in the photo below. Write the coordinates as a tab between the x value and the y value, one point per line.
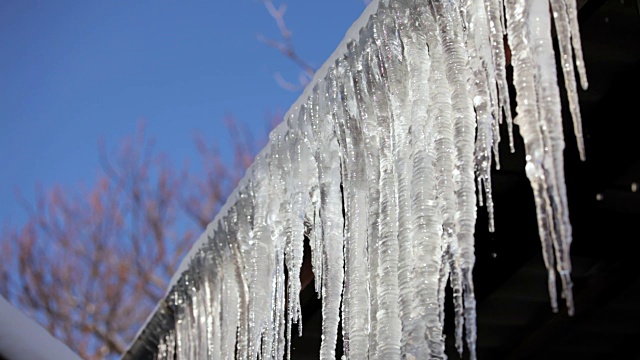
229	304
331	221
460	231
388	326
252	271
394	29
167	346
276	224
365	89
541	129
426	219
572	12
551	125
262	191
438	133
563	22
485	102
495	14
312	136
298	190
355	197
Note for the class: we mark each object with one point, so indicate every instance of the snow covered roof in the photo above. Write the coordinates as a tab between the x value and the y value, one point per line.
23	338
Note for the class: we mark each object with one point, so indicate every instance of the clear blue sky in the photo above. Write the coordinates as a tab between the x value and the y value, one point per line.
75	72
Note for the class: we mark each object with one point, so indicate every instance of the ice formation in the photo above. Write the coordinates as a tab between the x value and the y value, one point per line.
381	165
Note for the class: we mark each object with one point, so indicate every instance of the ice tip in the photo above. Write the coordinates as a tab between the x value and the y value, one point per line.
571	309
584	83
581	148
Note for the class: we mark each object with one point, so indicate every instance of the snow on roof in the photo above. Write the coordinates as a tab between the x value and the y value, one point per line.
22	338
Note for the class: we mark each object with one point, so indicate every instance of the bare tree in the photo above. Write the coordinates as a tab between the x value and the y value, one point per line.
91	266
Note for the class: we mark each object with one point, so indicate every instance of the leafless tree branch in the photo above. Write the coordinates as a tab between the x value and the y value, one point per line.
286	48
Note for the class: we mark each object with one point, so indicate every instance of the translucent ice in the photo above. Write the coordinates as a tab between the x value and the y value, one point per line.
380	166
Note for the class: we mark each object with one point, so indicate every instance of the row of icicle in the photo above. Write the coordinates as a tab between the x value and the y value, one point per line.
380	165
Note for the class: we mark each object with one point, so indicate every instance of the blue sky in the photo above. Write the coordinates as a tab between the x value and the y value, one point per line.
75	72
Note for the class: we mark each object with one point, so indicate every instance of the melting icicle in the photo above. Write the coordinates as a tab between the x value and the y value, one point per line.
332	224
387	318
366	102
495	15
485	99
564	27
377	165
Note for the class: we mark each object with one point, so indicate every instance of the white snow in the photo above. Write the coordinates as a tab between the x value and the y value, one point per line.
399	130
22	338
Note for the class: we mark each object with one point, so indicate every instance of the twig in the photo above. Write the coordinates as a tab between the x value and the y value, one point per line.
285	47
